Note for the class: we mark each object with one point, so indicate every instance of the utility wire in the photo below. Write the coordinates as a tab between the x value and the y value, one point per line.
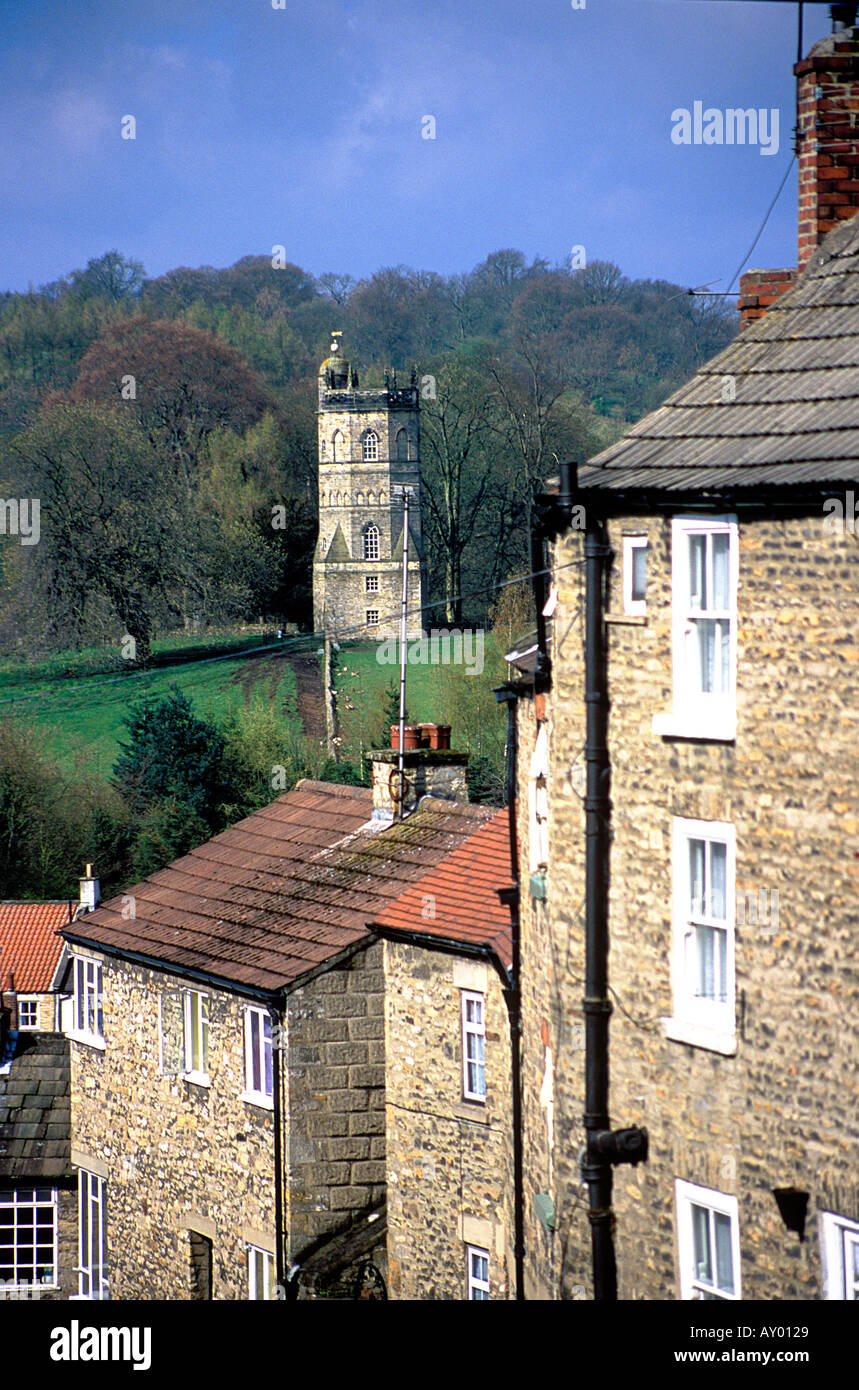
761	227
287	644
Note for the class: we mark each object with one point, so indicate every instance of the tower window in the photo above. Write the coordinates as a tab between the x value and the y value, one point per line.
402	447
338	452
372	617
371	584
371	542
371	447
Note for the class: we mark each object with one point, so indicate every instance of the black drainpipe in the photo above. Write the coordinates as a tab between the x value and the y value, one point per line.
513	1000
604	1147
277	1122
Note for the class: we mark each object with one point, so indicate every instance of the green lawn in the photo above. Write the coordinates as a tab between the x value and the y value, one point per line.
82	717
433	694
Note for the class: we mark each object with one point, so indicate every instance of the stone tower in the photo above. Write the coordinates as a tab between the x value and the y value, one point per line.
369	446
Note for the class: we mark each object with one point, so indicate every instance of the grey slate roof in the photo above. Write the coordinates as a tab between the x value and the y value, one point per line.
795	415
35	1109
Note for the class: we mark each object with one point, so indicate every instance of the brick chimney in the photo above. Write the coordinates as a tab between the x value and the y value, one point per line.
827	102
827	146
429	770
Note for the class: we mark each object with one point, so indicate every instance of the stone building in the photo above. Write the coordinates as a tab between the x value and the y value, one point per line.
228	1073
369	451
39	1197
446	961
30	950
722	532
38	1183
722	624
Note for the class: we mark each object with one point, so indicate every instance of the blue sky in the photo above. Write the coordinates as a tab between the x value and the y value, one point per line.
301	126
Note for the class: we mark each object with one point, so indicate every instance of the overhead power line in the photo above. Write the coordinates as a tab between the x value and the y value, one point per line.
288	644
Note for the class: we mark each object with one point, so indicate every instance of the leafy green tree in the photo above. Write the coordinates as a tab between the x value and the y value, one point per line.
112	524
167	830
111	276
172	754
390	713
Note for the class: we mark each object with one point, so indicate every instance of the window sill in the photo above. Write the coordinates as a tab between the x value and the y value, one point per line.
698	1035
21	1293
90	1039
197	1078
474	1110
256	1098
713	728
627	619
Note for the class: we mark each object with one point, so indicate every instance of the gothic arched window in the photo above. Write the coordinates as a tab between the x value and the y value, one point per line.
371	447
402	447
338	451
371	542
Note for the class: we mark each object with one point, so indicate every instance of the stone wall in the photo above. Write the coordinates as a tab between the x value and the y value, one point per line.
781	1112
177	1156
550	1039
335	1058
448	1159
353	493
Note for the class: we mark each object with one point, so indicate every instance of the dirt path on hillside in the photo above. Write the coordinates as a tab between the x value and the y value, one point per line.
267	671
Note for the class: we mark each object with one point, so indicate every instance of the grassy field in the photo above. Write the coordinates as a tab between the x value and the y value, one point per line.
79	702
438	694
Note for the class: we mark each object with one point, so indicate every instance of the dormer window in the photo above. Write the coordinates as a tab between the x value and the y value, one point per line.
371	447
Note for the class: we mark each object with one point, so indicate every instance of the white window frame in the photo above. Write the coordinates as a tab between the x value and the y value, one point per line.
23	1202
28	1001
702	1022
88	1001
371	584
261	1262
692	1285
839	1237
92	1238
473	1029
478	1288
633	607
538	802
700	714
372	546
258	1095
370	447
197	1022
372	615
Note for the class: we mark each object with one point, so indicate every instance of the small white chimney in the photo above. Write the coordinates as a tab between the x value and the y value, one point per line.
90	891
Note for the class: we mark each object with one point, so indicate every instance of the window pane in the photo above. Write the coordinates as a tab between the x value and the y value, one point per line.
705	629
721	573
705	944
701	1241
697	558
724	1257
696	878
256	1070
717	906
639	572
269	1085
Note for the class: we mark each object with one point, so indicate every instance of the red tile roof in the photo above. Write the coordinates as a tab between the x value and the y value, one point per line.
283	892
30	944
464	893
